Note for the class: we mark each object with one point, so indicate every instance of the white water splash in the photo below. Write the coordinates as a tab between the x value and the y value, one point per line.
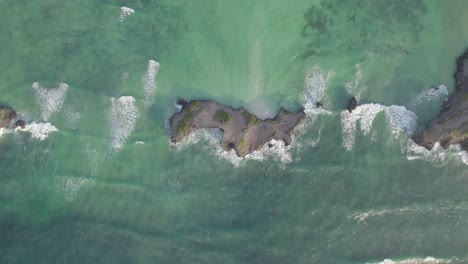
50	100
399	118
278	151
124	12
365	115
149	81
354	87
122	119
429	94
427	260
437	155
316	82
139	143
39	130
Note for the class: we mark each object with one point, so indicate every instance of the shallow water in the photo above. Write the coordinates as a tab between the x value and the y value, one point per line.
108	187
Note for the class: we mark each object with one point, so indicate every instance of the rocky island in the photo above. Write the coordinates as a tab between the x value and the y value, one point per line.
451	126
242	131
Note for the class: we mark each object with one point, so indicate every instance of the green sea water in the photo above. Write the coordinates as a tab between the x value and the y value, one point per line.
341	193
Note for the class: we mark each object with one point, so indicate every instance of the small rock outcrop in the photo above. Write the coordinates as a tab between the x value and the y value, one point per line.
6	116
451	126
352	104
20	123
242	131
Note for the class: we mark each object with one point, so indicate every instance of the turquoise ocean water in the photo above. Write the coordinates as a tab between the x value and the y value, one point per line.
96	180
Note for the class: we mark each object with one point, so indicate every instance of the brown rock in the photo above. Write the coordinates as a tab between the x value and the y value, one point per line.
6	115
242	131
451	126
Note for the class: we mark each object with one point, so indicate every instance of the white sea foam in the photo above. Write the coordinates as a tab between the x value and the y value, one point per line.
39	130
50	100
70	186
122	119
316	82
149	81
139	143
437	155
354	87
278	151
427	260
124	12
399	118
429	94
365	115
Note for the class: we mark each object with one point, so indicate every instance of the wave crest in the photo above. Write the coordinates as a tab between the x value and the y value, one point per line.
122	119
149	81
50	100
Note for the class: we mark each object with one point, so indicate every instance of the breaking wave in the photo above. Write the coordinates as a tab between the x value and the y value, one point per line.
122	119
40	130
399	118
316	82
272	150
437	155
124	12
50	100
149	81
427	260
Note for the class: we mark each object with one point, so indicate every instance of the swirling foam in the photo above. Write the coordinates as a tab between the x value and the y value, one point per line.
316	82
50	100
124	12
365	115
122	119
149	81
354	87
430	94
399	118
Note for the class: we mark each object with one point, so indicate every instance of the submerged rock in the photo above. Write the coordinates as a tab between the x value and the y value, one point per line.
451	126
243	131
6	116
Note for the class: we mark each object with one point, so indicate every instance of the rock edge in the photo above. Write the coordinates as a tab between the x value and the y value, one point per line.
450	127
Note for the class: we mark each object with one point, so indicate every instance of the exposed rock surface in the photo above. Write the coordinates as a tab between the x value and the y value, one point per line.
243	131
451	126
6	116
352	104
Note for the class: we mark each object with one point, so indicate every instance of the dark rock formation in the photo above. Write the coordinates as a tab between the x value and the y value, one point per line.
6	116
243	131
352	104
319	105
451	126
20	123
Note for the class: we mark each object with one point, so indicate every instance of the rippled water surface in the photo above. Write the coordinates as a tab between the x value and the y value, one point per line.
94	179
